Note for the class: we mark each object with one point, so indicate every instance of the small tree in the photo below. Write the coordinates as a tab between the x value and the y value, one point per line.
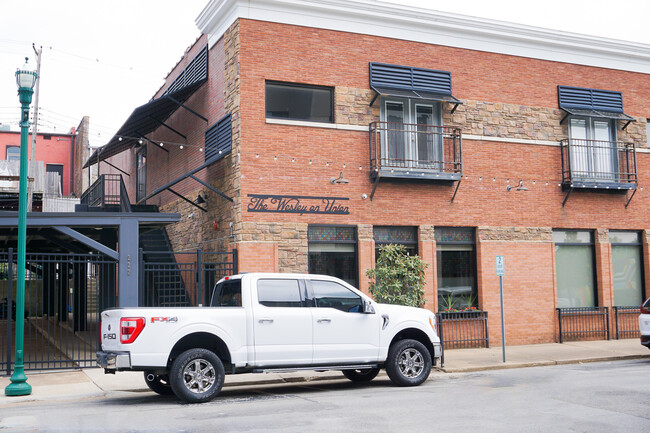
398	278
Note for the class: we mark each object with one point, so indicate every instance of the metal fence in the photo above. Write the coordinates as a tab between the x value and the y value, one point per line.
107	191
463	329
64	295
627	322
598	161
583	323
183	279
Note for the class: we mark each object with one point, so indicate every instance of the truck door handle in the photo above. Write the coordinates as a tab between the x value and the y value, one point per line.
324	320
265	321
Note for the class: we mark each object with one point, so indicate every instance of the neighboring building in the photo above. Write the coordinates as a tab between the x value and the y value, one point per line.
332	127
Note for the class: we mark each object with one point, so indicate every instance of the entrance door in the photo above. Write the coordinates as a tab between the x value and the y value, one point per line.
427	138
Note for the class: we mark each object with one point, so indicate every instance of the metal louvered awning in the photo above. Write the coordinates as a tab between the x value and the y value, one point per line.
409	82
606	104
152	115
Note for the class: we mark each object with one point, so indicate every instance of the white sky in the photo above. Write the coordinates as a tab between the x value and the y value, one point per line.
105	58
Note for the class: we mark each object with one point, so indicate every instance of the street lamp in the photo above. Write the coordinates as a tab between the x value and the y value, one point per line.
25	79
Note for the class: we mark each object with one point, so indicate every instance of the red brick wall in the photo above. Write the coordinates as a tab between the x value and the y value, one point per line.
56	150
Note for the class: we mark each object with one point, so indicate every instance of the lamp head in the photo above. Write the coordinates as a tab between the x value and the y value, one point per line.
25	76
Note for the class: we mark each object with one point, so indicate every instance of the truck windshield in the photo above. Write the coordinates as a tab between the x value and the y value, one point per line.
227	294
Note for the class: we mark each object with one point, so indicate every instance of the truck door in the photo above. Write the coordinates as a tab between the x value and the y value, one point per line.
282	323
342	332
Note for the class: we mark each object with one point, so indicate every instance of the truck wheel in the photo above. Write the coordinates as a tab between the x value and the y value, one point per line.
196	376
158	383
361	375
408	363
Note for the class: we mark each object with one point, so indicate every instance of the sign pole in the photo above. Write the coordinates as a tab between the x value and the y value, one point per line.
501	270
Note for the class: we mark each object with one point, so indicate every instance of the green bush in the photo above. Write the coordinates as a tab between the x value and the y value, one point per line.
398	278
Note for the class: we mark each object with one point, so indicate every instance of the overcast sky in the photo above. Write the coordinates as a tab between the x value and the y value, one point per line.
103	59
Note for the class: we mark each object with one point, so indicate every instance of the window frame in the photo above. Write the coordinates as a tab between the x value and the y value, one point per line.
8	148
592	245
354	242
379	244
312	295
474	251
288	84
638	243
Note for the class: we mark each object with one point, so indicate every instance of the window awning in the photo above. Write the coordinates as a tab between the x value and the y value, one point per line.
409	82
150	116
606	104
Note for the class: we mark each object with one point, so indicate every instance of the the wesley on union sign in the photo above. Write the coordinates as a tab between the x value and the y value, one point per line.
298	204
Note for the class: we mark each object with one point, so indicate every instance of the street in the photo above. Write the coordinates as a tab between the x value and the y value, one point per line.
592	397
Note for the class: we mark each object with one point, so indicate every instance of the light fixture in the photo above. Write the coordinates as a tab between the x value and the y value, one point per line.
340	179
199	199
521	187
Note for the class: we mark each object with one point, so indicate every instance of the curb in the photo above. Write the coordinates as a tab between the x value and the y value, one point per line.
541	363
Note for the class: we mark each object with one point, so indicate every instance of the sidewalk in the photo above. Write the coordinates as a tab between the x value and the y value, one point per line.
92	382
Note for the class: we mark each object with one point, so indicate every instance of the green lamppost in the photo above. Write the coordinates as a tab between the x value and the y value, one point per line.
25	79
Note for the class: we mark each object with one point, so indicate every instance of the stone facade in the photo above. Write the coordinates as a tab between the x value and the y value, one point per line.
290	238
515	234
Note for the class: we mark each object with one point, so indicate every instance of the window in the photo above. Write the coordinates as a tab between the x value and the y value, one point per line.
407	236
328	294
413	137
299	102
13	153
141	174
227	294
593	149
279	293
333	251
456	262
574	268
627	268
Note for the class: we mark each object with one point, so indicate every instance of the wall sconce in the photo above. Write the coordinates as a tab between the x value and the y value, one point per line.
521	187
340	179
199	199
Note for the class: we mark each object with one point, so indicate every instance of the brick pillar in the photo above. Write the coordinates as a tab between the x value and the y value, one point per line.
604	282
427	252
366	254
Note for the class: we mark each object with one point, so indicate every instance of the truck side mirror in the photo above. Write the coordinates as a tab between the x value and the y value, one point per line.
368	308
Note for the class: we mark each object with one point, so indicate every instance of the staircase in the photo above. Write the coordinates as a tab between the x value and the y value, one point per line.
163	281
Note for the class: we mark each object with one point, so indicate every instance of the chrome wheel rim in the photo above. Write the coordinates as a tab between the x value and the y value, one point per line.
411	363
199	376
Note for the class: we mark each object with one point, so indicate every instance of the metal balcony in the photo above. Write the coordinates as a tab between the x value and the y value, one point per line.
107	192
605	166
415	151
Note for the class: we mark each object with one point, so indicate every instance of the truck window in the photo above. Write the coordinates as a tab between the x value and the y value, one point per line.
227	294
279	293
328	294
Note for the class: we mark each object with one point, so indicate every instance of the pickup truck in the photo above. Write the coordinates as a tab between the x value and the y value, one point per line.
261	322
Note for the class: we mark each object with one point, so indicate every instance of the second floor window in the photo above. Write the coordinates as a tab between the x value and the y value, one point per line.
594	148
13	153
299	102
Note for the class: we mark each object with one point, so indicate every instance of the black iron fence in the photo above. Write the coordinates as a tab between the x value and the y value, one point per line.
183	279
627	322
64	295
463	329
583	323
404	146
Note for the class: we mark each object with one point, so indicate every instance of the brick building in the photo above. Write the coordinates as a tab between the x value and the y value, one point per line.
308	133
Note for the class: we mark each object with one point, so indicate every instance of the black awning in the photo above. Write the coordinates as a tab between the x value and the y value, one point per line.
598	113
142	121
416	94
146	118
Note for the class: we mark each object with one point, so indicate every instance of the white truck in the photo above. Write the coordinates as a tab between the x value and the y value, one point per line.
269	322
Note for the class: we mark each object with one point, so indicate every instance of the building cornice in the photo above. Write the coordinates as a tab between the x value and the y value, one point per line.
423	25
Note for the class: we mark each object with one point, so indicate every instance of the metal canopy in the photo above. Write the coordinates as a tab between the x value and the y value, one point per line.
150	116
416	94
598	113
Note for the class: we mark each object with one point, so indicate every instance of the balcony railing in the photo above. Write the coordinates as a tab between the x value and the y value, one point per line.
417	151
598	164
107	191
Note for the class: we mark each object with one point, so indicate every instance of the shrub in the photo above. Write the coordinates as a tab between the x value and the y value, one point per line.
398	278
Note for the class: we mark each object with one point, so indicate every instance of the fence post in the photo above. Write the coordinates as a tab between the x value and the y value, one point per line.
607	321
234	261
10	289
487	334
199	276
559	317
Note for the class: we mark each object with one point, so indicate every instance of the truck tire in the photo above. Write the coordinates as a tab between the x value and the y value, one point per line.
408	363
158	383
196	376
361	375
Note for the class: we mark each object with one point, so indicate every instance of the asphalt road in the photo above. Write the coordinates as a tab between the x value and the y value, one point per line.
596	397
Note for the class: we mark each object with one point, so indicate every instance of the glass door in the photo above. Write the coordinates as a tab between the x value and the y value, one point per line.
141	174
593	149
395	138
427	138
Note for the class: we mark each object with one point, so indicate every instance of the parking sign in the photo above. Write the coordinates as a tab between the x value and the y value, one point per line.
501	266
